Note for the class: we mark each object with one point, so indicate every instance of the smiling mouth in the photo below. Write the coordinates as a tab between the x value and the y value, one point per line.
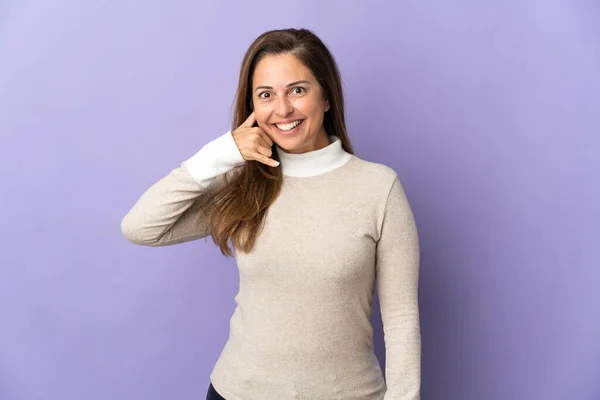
292	126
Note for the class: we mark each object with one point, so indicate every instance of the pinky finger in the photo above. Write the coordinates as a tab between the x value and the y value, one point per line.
269	161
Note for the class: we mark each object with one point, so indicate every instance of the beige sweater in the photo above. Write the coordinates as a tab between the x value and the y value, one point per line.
301	327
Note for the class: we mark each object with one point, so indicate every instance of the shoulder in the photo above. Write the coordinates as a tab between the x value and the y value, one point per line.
372	175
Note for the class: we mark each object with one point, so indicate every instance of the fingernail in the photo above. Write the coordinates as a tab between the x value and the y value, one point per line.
277	163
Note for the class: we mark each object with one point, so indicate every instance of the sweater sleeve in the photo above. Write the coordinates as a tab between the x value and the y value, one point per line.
168	212
397	285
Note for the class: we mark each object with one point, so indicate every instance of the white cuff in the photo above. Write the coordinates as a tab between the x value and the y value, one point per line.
214	159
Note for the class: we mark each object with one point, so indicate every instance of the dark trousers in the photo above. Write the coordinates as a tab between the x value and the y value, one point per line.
212	394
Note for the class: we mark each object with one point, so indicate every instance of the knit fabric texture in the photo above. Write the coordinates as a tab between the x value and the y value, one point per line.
341	227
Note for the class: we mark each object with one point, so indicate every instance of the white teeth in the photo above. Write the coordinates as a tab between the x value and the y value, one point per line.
287	127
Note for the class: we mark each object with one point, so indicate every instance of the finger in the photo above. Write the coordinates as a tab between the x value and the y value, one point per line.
271	162
250	120
265	140
265	151
265	160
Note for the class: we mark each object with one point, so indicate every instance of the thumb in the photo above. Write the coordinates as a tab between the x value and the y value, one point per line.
250	120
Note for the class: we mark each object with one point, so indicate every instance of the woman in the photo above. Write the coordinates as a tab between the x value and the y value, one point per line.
312	226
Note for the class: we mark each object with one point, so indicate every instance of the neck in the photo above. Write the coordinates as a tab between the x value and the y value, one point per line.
316	162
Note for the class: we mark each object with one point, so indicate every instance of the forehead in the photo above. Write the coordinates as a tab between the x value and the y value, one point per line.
279	70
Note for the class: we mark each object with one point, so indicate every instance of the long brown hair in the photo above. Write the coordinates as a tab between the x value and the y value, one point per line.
237	210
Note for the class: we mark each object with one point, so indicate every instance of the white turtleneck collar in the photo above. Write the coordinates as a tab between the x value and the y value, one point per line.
314	162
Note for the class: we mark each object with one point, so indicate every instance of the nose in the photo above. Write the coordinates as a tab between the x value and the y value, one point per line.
283	107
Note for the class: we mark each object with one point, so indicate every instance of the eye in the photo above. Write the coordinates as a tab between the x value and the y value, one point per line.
299	87
260	95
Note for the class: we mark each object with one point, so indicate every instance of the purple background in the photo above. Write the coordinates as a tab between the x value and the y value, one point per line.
489	114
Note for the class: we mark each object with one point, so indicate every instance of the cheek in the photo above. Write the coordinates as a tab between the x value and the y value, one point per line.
308	107
262	116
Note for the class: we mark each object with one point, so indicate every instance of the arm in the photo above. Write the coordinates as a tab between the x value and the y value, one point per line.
168	212
397	284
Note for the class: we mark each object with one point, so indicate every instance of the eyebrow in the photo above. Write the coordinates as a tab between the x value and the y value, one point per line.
288	85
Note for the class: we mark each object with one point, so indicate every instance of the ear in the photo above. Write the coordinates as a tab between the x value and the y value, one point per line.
327	105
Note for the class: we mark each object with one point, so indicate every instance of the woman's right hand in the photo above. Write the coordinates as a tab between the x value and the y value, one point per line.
253	142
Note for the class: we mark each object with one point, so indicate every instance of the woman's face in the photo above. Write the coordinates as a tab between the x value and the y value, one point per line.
285	91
